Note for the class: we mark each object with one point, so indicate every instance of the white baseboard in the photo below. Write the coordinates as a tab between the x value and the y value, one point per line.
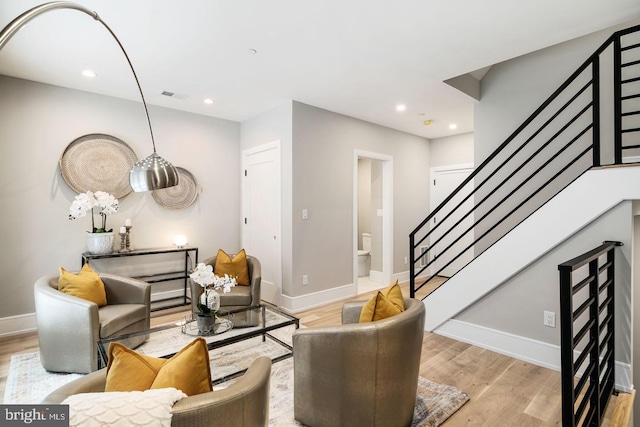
401	277
317	299
16	325
404	276
376	276
522	348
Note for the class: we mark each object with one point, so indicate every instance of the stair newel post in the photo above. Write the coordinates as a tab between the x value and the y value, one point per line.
566	344
595	109
412	266
617	99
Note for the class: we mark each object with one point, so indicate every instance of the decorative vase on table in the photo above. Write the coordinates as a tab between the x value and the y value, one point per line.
100	243
207	321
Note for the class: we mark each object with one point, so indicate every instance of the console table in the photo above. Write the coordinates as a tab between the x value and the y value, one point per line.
183	274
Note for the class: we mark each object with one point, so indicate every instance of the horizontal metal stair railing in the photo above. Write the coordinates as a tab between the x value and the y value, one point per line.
555	145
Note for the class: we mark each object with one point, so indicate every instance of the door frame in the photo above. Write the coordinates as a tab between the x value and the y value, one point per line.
273	145
432	174
387	213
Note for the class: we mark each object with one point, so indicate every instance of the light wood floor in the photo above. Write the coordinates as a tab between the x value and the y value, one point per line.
504	391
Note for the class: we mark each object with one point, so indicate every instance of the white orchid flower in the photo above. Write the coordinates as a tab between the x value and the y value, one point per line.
203	275
85	202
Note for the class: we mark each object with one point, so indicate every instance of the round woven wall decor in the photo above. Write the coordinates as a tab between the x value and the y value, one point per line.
180	196
98	162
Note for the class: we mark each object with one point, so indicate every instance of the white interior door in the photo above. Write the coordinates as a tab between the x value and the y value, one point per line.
443	181
262	215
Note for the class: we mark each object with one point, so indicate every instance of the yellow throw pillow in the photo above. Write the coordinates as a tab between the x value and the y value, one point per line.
377	308
236	267
129	370
188	370
86	285
394	293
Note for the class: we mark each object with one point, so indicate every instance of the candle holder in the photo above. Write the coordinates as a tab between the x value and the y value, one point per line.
123	242
128	238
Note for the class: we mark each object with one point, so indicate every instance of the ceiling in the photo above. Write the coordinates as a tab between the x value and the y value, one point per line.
355	57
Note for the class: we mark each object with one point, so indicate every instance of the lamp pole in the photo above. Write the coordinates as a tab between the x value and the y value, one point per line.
150	173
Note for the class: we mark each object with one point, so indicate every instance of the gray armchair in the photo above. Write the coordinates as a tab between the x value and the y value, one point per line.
70	327
245	403
359	374
240	296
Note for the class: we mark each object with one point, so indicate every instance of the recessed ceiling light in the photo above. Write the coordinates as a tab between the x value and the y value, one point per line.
89	73
208	101
453	126
401	107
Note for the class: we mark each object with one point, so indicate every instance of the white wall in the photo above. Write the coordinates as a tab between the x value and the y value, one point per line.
38	121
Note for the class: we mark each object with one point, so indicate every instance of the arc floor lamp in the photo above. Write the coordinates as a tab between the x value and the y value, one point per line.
150	173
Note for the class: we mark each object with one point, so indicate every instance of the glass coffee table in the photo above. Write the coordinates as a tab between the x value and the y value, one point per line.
231	350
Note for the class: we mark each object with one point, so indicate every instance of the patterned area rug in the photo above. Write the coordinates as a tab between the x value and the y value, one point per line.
28	382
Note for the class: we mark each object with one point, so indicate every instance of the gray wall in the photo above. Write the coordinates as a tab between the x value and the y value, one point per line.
452	150
511	91
38	121
369	201
377	240
323	158
517	306
364	198
272	125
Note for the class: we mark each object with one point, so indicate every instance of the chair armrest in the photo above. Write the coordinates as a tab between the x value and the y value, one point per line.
126	290
351	312
255	271
74	333
243	403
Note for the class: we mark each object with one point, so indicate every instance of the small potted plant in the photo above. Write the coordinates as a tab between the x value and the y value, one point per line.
99	239
209	302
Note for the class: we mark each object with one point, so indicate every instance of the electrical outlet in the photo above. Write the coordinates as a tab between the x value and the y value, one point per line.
305	280
305	214
550	319
406	261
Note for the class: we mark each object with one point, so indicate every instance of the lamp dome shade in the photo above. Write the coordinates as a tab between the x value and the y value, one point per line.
152	173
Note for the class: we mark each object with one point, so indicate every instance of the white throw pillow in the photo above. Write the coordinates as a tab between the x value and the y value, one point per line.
123	409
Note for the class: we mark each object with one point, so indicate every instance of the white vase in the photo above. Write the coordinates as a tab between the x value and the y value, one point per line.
211	299
100	243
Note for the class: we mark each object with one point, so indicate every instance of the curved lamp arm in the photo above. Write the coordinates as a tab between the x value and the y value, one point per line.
151	173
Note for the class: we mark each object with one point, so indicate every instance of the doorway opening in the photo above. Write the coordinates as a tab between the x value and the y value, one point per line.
372	221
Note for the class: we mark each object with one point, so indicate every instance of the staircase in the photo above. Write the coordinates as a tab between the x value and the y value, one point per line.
548	165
